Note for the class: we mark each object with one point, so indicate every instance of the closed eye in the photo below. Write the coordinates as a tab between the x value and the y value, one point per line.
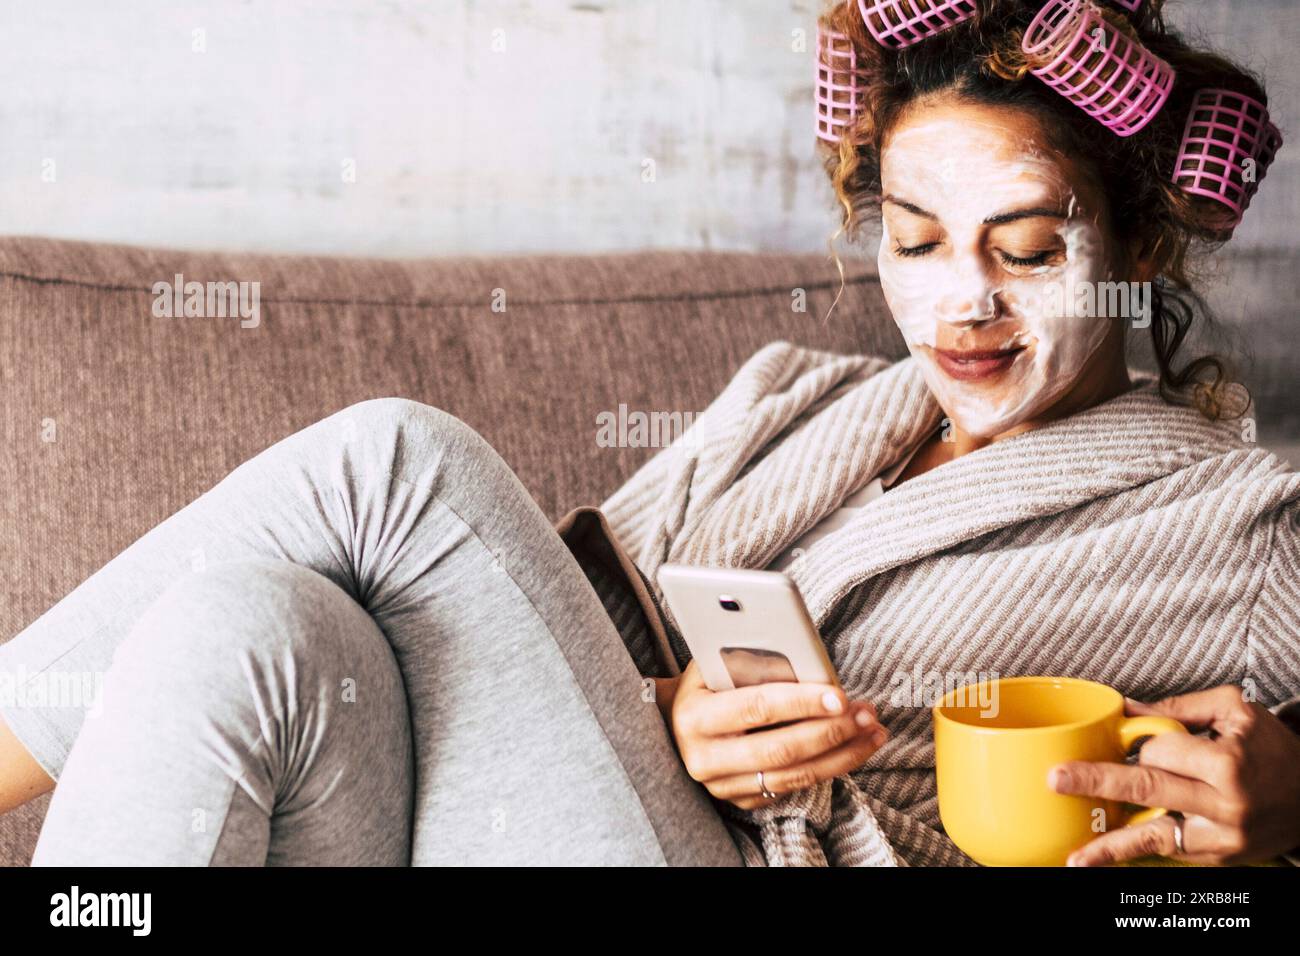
909	251
1036	260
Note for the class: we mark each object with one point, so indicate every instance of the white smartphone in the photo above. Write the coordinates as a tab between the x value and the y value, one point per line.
745	627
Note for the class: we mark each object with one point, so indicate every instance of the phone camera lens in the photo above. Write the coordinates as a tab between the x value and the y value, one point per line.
728	603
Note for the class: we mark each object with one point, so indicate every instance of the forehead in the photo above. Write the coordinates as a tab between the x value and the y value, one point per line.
974	154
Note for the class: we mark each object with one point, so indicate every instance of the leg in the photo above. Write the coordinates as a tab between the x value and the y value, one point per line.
254	715
533	741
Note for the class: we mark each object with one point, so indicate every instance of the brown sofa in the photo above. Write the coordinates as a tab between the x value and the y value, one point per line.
145	412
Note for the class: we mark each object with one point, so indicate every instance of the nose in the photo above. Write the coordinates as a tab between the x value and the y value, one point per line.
971	296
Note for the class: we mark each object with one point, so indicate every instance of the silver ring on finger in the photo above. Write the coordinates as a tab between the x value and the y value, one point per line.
1178	836
762	787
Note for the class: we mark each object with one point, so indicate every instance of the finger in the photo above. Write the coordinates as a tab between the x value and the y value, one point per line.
1216	708
835	763
691	678
1212	762
752	803
1153	838
1136	708
781	746
1146	786
730	712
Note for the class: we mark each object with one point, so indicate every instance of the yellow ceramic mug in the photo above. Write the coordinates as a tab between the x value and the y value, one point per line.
994	744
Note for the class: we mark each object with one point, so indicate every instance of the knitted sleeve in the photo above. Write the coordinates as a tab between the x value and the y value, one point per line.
777	377
1273	632
635	509
1273	635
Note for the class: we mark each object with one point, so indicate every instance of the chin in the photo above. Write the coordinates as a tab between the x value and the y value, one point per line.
988	420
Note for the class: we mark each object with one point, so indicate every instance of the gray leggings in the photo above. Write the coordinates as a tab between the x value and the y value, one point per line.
366	646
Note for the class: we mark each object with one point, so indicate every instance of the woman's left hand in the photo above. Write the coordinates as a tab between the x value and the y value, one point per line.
1239	791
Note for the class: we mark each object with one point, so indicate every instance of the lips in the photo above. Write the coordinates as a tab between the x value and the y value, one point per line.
974	365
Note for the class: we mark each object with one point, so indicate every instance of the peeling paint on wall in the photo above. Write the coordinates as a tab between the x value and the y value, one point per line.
467	126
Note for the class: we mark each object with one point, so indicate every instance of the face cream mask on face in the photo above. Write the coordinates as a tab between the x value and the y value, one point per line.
991	324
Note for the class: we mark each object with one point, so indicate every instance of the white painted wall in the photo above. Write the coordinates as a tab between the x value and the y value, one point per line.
458	146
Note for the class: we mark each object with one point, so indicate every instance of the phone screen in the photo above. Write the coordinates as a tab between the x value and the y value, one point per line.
753	665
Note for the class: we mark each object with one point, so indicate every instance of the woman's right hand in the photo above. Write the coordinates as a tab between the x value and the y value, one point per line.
724	737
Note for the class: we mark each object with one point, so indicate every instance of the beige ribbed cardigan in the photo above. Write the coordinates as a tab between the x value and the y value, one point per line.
1134	543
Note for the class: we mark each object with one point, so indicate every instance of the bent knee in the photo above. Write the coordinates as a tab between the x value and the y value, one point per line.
405	416
236	612
411	438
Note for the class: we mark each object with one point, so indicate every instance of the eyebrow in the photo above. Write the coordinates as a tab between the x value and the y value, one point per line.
997	220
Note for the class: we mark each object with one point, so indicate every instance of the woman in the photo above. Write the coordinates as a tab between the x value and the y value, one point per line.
366	645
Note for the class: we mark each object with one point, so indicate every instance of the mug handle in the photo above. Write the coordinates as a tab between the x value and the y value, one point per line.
1132	728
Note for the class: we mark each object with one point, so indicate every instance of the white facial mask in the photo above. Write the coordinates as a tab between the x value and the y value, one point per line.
962	297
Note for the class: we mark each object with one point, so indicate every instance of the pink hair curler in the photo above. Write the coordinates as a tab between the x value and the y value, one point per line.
1131	6
1110	76
1225	130
899	23
838	92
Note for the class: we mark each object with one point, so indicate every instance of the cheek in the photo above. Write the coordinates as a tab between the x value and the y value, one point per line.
1065	344
1031	299
912	291
1047	302
913	304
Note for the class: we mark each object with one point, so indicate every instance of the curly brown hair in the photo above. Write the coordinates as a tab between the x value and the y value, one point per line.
981	60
